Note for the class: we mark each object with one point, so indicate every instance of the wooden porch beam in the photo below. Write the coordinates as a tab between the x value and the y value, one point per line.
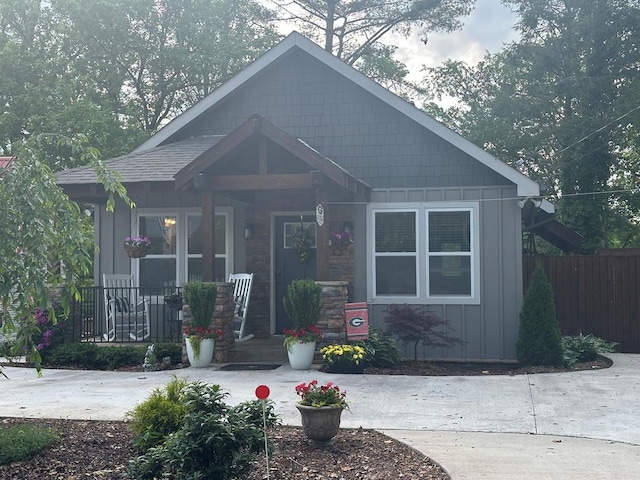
261	182
208	236
322	240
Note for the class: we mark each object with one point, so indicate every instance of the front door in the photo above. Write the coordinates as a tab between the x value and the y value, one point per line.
293	260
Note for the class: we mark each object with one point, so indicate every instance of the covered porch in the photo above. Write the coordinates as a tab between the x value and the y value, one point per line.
289	199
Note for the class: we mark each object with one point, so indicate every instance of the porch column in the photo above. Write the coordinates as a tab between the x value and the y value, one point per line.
322	240
208	226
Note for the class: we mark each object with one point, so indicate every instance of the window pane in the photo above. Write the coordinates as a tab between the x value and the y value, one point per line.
157	273
194	228
395	232
291	233
161	230
450	275
449	231
221	234
396	275
195	234
195	270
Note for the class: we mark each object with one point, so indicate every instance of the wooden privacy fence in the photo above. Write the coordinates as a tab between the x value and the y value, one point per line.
594	294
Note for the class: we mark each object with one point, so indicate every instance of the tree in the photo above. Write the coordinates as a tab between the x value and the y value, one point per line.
559	103
47	240
117	71
416	324
159	57
539	338
354	30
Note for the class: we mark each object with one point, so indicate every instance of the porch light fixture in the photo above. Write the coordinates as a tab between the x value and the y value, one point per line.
200	181
248	230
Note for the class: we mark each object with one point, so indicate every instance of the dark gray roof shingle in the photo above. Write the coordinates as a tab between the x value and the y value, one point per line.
158	164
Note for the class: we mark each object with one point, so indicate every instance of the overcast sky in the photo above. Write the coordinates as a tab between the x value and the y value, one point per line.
488	28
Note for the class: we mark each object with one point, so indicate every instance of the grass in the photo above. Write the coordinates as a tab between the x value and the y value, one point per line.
20	442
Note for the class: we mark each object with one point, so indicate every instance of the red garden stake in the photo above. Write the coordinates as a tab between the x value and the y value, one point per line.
262	392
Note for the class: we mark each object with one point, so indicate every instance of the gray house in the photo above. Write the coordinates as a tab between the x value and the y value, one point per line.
265	173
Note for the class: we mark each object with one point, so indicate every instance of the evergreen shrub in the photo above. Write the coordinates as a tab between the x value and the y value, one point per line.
539	338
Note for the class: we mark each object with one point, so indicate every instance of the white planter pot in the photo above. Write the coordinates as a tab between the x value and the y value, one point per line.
206	353
301	355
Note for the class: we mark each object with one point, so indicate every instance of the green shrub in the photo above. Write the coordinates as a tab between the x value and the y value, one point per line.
201	298
380	349
89	355
214	441
81	355
584	348
114	357
159	415
539	338
302	302
173	350
21	441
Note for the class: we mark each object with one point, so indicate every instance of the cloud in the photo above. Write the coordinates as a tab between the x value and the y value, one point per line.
487	28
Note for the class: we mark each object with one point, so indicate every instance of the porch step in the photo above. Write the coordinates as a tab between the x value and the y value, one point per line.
260	350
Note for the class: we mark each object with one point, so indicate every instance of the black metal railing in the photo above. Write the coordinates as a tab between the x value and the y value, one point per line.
88	320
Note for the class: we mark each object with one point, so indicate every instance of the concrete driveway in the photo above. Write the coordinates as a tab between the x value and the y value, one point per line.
497	427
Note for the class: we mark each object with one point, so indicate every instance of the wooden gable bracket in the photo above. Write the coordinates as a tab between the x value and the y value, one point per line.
322	168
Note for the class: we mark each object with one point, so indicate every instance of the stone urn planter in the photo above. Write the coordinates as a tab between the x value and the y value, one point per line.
301	355
320	424
204	357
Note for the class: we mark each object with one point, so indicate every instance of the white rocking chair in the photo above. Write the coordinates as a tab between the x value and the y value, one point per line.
125	314
241	292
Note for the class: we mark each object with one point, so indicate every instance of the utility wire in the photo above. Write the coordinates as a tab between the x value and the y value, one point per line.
600	129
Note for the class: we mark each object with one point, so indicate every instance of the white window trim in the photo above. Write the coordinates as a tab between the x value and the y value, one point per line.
181	239
422	257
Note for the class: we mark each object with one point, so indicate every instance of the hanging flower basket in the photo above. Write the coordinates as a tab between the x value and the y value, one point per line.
136	252
137	247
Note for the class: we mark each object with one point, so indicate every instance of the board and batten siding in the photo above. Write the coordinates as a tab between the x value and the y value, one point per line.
490	328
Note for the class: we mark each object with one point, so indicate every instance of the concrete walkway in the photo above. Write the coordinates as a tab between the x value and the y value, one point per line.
583	425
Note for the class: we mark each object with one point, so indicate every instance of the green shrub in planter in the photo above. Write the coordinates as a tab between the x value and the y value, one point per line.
539	338
302	302
201	298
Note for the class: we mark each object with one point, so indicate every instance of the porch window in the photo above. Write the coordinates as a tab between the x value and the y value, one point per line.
425	254
176	248
158	268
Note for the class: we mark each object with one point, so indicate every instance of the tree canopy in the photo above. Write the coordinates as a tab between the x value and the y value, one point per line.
561	104
117	71
358	31
47	239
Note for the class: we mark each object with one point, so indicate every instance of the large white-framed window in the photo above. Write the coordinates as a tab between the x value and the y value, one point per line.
176	247
424	253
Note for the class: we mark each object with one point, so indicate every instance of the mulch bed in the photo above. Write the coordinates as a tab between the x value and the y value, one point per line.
422	368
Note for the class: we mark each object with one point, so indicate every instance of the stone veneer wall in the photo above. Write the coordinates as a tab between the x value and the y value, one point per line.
222	319
332	320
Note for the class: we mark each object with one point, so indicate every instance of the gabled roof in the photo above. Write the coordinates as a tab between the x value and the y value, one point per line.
525	186
318	166
157	164
5	161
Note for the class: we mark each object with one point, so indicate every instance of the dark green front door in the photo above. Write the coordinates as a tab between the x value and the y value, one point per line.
288	262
